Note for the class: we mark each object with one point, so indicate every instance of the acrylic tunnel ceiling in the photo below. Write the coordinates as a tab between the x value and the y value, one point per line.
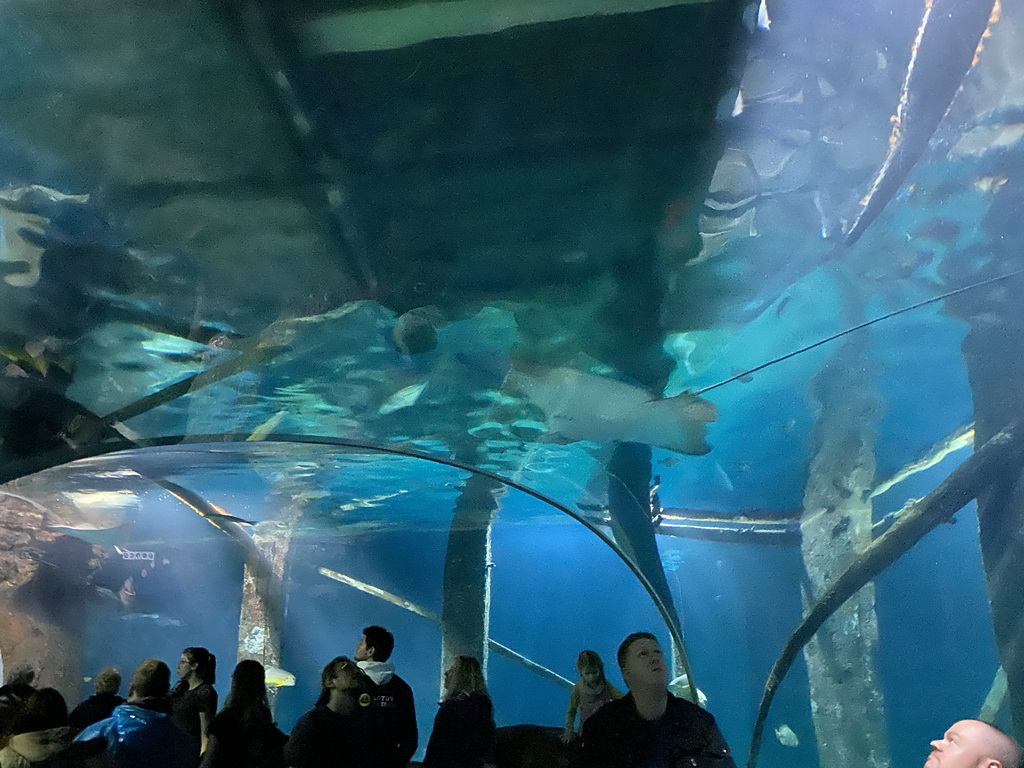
529	242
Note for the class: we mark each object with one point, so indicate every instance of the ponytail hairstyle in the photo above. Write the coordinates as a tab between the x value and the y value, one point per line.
206	663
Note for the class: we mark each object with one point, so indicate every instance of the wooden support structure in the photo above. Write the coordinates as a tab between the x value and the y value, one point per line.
1000	455
466	584
846	699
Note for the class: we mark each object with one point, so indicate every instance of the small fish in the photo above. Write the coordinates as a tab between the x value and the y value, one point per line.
218	342
403	398
735	183
718	232
786	736
825	229
227	518
668	461
126	594
738	106
156	618
15	371
278	678
267	427
680	686
782	304
373	501
760	20
30	356
990	184
17	249
961	438
724	478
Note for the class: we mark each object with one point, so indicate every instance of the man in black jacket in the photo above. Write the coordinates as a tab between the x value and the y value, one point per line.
649	727
100	705
391	718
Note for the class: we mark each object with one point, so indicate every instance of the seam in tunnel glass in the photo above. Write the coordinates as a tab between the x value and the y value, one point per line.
107	448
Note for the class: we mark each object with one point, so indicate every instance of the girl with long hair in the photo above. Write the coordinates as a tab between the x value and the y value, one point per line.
591	692
243	734
463	733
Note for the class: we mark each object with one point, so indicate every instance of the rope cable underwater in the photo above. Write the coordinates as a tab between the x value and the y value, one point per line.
852	329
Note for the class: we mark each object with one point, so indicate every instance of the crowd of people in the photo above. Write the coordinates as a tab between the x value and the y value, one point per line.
365	718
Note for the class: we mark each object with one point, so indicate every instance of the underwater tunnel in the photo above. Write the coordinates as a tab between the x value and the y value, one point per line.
516	327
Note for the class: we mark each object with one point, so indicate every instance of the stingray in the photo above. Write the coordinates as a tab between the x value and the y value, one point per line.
583	406
1004	450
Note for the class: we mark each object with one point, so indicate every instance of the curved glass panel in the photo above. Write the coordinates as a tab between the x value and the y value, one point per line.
166	538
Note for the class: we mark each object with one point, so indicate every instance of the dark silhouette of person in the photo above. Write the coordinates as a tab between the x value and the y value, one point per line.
243	734
332	734
101	704
464	732
392	735
140	731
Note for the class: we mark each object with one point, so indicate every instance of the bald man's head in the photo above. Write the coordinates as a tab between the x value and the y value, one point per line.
974	744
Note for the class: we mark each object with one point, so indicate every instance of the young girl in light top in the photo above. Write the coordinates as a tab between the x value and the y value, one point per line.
589	693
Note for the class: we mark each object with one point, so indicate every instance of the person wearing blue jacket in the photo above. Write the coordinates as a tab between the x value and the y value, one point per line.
140	732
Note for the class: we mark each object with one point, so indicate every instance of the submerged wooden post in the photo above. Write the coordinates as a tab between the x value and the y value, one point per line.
629	506
259	626
466	588
846	702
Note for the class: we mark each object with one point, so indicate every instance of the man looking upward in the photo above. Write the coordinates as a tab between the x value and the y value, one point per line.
973	744
391	716
649	727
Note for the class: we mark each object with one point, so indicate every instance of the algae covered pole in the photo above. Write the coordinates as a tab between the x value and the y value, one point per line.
847	706
466	584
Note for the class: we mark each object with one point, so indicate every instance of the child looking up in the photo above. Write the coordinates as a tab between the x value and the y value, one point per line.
590	692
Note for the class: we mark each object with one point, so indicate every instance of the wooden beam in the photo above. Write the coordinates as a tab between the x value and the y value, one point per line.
381	29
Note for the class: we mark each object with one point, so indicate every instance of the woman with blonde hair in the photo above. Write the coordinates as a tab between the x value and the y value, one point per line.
463	734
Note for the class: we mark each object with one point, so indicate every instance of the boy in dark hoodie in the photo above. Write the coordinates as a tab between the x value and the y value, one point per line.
392	736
